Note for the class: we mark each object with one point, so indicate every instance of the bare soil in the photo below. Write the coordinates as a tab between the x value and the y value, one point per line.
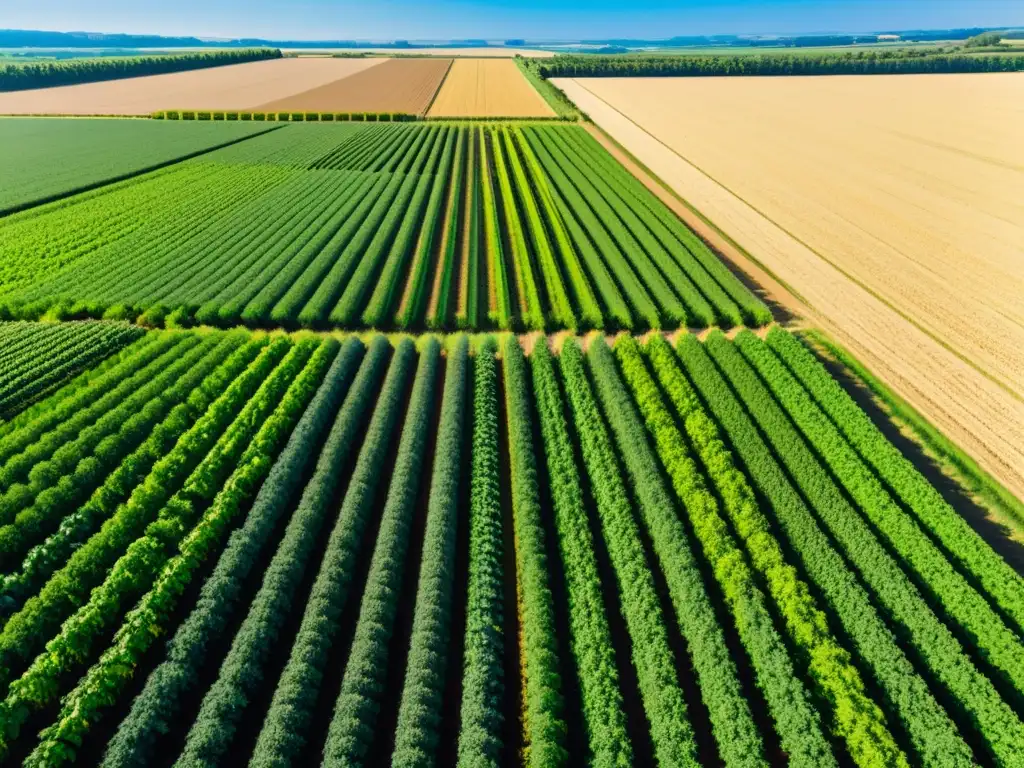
896	223
397	85
232	87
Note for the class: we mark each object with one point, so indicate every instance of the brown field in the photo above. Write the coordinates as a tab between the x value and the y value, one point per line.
236	86
488	88
397	85
476	53
892	208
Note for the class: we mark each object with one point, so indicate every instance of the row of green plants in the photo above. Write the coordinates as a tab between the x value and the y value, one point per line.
729	591
37	358
285	117
391	238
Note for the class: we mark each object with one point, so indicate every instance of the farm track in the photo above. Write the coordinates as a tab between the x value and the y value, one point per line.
948	382
666	469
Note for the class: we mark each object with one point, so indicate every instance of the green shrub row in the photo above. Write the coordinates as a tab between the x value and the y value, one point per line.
226	703
422	707
651	654
856	718
933	735
299	374
322	117
946	658
158	704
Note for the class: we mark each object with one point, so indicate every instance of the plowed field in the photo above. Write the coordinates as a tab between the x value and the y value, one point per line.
397	85
897	220
488	88
238	86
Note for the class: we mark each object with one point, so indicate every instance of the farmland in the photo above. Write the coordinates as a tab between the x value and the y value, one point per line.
409	226
488	88
50	158
237	86
363	550
396	85
899	229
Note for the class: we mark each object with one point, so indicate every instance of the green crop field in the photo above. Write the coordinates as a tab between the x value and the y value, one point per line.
330	439
50	158
369	225
230	547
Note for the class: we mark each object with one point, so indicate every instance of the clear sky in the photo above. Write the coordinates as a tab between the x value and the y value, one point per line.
550	19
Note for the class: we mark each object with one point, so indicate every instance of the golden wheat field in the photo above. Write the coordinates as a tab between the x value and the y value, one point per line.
893	206
488	88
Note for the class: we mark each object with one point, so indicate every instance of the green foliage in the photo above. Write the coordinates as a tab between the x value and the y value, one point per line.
652	655
591	643
933	734
857	719
158	705
419	717
543	717
483	684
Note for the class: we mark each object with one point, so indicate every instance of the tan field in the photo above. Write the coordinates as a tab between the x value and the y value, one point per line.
891	207
498	53
398	85
488	88
236	86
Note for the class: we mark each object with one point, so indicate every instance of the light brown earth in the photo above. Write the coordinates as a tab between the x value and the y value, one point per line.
488	88
233	87
891	207
498	53
397	85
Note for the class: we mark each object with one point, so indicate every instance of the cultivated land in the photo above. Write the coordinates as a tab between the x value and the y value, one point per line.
237	86
382	225
897	221
367	551
488	88
397	85
46	158
506	53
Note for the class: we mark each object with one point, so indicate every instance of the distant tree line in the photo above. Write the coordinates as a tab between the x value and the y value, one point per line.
45	74
861	63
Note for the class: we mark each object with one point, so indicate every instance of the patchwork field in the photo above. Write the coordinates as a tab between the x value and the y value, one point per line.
374	551
488	88
397	85
505	53
380	225
901	228
237	86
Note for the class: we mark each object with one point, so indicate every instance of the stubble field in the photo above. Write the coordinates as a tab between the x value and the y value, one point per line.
397	85
488	88
895	218
237	86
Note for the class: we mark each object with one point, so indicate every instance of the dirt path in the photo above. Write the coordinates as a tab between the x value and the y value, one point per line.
975	411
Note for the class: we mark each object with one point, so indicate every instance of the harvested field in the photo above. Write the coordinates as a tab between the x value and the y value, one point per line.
397	85
488	88
495	52
237	86
901	229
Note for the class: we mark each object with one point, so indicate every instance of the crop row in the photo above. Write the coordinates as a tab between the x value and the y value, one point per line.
366	551
381	225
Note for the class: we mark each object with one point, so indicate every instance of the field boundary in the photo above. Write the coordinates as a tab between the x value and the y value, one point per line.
968	473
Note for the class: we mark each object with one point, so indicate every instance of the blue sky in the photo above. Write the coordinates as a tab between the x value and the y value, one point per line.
390	19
